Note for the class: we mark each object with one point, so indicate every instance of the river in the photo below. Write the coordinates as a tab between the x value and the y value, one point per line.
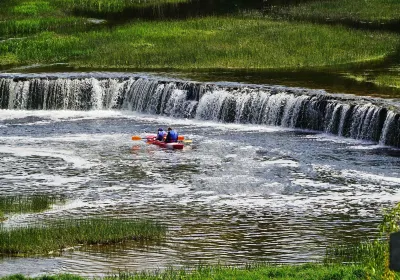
242	191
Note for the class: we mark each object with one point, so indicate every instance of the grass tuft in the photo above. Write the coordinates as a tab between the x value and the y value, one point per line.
26	204
45	239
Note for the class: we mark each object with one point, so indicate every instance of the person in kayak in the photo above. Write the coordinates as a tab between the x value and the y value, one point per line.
160	134
172	136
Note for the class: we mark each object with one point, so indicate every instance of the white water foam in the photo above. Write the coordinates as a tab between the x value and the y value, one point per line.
66	155
59	115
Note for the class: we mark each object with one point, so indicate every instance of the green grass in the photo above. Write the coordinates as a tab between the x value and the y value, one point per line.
21	18
356	10
294	272
32	8
2	217
390	79
370	254
212	42
45	239
112	6
262	271
25	204
31	26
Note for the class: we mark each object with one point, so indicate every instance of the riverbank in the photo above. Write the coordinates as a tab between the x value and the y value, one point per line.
213	42
262	271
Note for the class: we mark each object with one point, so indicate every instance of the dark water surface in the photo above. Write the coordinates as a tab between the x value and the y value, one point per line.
237	194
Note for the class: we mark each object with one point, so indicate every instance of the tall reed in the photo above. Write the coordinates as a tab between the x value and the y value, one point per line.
374	255
47	238
25	204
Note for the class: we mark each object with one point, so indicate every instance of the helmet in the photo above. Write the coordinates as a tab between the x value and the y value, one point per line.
160	129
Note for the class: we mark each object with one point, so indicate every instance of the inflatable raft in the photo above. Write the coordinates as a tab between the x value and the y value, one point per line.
151	139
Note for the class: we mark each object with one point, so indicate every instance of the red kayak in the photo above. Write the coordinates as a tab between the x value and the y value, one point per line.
151	139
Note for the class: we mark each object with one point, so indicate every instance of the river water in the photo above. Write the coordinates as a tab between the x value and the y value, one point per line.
238	193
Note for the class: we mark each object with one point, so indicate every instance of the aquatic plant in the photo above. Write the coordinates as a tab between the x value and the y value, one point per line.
26	204
2	217
373	254
56	236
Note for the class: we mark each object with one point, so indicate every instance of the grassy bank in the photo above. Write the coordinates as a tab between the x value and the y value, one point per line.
223	42
355	10
43	239
304	272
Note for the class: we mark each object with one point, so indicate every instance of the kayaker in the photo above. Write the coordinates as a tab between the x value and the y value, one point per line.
172	136
160	134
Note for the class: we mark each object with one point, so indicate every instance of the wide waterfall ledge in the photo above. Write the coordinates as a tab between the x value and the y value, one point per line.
364	118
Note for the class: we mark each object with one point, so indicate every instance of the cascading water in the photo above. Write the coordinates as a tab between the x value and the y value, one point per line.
344	115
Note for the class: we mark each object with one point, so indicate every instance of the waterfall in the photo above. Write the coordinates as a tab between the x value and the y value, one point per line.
371	119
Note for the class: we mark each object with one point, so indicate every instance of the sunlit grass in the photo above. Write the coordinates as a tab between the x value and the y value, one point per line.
23	9
390	79
34	25
50	238
21	18
213	42
357	10
32	8
262	271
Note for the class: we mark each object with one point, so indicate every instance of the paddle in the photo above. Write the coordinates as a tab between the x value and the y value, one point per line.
136	137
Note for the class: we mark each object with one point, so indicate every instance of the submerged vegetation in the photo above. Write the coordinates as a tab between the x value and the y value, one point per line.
56	236
25	204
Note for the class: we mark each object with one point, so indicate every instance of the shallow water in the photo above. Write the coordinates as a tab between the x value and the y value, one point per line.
237	194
